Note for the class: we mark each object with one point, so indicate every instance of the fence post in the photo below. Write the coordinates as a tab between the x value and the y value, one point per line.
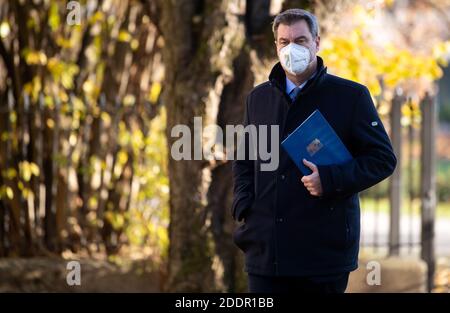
395	180
428	184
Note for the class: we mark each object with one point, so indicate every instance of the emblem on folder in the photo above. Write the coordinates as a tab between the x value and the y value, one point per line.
314	146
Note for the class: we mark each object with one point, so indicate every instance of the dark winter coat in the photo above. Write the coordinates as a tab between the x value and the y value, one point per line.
287	231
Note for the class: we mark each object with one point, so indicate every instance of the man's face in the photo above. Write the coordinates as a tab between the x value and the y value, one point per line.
298	33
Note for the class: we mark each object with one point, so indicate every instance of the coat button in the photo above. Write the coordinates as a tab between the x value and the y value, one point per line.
280	219
283	177
331	208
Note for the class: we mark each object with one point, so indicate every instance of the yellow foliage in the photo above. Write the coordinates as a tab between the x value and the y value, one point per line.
155	91
129	100
147	222
11	173
124	36
92	203
97	17
62	72
441	52
27	169
91	89
53	18
50	123
5	29
134	44
63	42
106	118
116	219
353	57
34	57
6	191
33	88
122	157
9	193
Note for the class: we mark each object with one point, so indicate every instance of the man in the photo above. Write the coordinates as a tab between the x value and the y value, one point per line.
301	233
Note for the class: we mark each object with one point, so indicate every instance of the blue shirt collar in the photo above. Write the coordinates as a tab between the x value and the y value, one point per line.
290	85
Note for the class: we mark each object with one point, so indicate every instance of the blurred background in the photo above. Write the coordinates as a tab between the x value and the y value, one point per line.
89	91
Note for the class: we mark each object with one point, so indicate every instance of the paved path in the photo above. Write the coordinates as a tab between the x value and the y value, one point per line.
368	226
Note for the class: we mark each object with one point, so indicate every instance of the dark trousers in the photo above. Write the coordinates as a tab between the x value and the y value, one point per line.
269	284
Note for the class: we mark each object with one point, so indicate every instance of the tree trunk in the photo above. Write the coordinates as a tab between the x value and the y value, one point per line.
201	41
220	193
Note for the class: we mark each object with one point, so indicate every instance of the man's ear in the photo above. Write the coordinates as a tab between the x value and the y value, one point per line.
317	43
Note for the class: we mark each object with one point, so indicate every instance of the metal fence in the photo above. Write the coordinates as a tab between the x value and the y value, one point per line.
398	214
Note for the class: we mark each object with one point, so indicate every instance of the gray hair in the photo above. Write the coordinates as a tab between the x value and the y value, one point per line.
292	16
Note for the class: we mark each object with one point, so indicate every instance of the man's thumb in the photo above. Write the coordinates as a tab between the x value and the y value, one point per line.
311	165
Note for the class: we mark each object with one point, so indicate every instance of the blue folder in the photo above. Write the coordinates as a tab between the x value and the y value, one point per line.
316	141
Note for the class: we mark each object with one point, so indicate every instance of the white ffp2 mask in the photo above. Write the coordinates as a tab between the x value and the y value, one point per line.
294	58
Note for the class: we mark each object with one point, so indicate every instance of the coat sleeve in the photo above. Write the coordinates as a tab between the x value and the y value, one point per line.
243	174
373	161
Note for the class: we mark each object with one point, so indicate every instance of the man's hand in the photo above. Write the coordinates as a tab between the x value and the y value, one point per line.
312	181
